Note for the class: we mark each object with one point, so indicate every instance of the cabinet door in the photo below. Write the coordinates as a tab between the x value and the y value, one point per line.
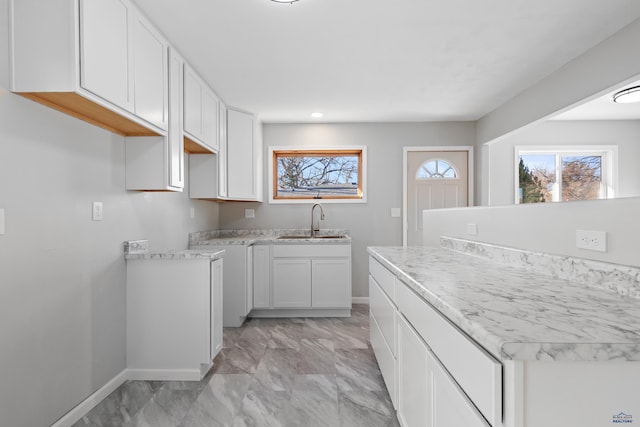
216	307
210	117
248	306
241	156
150	58
192	104
222	151
291	283
175	138
331	283
105	52
450	406
414	388
261	277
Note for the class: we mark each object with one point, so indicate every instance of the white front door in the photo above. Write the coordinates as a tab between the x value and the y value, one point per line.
433	180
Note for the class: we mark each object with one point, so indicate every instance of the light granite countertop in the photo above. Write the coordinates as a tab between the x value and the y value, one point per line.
519	313
266	237
176	255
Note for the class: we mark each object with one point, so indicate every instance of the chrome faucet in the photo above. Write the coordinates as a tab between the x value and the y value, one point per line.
313	229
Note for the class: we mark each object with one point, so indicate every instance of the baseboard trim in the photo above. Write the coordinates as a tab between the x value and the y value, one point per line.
80	410
360	300
167	374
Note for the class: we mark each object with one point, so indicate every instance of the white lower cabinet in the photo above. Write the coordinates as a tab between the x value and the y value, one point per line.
291	282
408	338
307	277
450	407
414	385
174	313
261	276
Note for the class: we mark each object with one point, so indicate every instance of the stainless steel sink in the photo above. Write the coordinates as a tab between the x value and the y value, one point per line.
326	236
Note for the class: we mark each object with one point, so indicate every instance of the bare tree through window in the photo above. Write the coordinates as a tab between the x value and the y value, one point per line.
318	174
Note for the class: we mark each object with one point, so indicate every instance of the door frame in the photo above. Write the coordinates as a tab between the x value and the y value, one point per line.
405	157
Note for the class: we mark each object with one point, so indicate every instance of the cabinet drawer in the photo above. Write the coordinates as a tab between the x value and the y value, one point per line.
383	277
477	372
383	310
311	251
386	360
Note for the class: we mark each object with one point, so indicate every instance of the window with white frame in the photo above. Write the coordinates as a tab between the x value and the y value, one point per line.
554	174
299	174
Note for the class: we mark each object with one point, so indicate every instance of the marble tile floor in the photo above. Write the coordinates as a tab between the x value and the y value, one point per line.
307	372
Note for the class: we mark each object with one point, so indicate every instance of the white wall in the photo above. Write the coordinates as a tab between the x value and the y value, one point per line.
623	133
62	276
600	69
546	227
369	223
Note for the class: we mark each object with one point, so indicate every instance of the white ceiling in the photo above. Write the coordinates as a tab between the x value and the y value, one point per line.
375	60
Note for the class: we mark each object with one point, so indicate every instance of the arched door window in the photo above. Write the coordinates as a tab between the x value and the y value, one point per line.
436	169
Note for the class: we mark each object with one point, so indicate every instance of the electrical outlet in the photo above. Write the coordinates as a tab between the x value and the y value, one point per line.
395	212
1	222
97	213
249	213
591	240
193	213
472	229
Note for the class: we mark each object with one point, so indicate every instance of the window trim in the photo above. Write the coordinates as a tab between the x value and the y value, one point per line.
360	150
609	163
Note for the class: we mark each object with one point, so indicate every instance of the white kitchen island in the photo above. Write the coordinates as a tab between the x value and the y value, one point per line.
476	335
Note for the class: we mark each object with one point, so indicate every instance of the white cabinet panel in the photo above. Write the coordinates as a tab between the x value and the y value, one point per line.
386	360
201	112
175	135
291	282
181	345
385	313
383	277
192	103
479	374
150	58
414	386
261	277
210	115
241	156
216	307
450	406
105	26
331	283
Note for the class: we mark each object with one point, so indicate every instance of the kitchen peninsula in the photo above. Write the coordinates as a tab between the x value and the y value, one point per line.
511	338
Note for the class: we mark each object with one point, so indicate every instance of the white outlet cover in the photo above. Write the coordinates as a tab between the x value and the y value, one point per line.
395	212
472	229
97	212
1	222
591	240
249	213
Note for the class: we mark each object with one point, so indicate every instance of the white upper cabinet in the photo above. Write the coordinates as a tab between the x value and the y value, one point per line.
104	62
243	153
150	77
156	163
105	54
200	114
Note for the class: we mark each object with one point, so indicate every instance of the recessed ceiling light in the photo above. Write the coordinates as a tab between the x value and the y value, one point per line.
628	95
317	115
284	1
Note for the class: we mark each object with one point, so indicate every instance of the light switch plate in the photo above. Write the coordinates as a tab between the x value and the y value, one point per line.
472	229
249	213
193	213
1	221
395	212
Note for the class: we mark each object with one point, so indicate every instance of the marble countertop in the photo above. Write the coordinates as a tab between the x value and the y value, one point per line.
176	255
517	313
265	237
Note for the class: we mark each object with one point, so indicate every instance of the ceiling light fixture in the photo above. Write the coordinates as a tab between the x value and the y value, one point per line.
285	1
628	95
317	115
